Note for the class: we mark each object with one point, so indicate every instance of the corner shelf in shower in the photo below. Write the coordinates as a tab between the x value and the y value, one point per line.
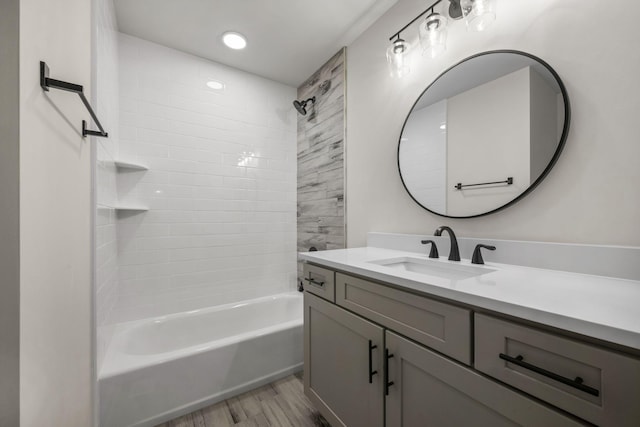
122	208
123	164
131	208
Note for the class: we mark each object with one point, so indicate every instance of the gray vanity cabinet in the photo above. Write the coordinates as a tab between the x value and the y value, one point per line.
598	385
343	364
440	363
345	378
431	390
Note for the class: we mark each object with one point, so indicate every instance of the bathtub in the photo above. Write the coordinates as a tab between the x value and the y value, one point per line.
160	368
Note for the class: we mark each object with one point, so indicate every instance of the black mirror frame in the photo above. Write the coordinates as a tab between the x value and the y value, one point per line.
552	162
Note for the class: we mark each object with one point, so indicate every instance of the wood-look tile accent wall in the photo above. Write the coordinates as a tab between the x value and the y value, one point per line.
321	159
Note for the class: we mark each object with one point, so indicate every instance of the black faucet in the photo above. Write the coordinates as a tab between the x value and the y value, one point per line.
477	255
433	253
454	253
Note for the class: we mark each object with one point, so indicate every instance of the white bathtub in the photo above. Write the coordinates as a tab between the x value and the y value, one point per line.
157	369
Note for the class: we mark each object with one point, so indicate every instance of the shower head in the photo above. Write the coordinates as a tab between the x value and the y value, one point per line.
302	106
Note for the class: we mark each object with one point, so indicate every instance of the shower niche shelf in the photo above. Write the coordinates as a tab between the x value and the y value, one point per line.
125	164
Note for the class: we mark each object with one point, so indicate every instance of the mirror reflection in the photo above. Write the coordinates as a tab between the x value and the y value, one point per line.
483	134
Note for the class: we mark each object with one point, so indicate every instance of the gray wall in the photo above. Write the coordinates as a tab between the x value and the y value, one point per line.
321	159
10	215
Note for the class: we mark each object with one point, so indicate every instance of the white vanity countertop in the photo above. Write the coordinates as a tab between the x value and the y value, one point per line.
601	307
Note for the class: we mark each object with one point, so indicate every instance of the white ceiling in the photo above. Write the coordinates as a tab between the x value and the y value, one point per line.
288	40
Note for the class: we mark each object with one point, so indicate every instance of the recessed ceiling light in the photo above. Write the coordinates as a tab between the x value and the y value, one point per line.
215	85
234	40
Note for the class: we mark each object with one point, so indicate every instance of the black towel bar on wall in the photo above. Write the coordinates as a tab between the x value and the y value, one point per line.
46	83
460	186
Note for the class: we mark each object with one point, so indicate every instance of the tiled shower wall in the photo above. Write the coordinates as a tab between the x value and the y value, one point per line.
221	184
106	87
321	159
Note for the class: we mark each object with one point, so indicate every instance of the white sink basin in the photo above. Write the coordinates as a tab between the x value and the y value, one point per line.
429	267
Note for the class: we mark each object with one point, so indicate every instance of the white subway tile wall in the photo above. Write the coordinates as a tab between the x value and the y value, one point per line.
107	106
221	184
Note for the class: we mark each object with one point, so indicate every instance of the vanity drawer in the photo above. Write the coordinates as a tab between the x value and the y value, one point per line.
319	281
441	326
600	386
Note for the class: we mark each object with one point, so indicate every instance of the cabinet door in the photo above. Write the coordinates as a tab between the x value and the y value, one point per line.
342	352
430	390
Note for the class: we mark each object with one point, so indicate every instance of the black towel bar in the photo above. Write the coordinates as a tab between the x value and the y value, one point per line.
460	186
46	83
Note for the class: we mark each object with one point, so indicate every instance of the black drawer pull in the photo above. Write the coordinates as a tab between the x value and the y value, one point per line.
387	383
371	371
314	281
576	383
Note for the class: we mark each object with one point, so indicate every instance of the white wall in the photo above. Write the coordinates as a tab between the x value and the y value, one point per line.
107	107
10	215
221	184
55	218
595	182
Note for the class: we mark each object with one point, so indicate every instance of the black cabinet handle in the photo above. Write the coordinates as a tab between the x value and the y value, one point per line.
576	383
387	383
371	371
314	281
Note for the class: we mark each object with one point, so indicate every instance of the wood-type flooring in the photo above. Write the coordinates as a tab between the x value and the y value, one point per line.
278	404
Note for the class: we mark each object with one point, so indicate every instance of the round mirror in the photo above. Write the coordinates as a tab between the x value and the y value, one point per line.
483	134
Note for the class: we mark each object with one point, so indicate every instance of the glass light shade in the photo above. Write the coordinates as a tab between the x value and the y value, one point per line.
398	58
478	14
433	35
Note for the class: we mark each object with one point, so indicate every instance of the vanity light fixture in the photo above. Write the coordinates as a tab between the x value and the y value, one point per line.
398	58
433	34
234	40
478	15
